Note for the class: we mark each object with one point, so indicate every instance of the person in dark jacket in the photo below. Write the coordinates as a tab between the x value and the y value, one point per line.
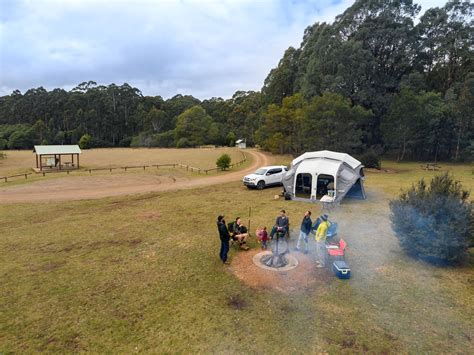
239	233
281	224
304	232
224	237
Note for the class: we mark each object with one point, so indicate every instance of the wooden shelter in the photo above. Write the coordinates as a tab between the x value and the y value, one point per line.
57	157
241	143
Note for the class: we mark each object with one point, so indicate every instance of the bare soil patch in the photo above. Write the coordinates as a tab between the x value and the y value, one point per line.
236	302
150	215
305	276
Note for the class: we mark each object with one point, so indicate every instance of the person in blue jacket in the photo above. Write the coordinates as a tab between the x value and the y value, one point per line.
305	229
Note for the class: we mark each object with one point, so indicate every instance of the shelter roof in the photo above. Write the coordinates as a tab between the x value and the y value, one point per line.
327	154
56	149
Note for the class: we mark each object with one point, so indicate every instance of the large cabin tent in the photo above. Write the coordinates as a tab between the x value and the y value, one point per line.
333	175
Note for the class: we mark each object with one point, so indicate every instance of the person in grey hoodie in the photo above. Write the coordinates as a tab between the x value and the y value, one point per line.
305	229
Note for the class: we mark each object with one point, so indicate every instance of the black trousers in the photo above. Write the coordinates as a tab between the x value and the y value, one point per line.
275	229
224	249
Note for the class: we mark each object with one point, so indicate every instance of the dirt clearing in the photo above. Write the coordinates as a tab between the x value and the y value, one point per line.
303	277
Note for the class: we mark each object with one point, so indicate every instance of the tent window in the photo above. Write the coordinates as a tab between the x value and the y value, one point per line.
325	183
303	185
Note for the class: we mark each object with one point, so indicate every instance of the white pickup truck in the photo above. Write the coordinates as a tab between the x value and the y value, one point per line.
265	176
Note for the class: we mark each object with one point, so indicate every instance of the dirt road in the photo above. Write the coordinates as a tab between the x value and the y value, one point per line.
93	187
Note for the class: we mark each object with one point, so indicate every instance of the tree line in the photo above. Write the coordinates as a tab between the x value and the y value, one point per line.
376	80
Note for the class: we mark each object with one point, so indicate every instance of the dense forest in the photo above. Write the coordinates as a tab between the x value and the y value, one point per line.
380	79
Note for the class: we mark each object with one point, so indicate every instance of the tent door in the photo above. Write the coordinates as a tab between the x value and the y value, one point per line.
357	191
324	183
303	185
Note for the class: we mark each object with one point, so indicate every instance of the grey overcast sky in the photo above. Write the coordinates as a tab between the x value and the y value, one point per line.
203	48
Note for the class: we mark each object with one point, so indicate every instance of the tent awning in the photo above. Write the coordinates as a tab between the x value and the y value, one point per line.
327	154
319	166
56	149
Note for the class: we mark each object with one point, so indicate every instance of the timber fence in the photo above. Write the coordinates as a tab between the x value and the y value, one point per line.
5	178
125	168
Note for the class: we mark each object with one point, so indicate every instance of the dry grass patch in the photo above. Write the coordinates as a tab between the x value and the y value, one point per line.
19	161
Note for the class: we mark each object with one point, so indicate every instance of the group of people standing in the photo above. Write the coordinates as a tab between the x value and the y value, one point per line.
321	227
238	232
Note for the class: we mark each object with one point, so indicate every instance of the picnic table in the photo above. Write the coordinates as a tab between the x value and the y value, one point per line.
430	166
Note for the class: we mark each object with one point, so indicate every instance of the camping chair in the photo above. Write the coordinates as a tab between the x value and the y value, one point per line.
235	242
336	251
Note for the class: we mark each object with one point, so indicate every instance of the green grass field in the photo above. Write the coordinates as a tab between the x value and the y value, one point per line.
141	273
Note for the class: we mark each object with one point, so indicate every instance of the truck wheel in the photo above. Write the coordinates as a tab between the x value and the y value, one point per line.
260	185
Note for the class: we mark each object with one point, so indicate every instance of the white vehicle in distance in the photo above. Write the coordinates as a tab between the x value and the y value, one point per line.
265	176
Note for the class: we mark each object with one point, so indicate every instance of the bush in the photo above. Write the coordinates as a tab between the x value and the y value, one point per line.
85	142
125	142
433	222
3	144
164	140
370	160
100	143
183	143
223	162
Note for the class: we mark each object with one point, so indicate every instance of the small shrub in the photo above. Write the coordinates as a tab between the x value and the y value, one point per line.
85	142
433	222
223	162
370	160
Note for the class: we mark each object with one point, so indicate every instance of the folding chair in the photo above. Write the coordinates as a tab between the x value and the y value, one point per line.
337	251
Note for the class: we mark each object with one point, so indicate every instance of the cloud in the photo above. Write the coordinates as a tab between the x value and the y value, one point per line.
204	48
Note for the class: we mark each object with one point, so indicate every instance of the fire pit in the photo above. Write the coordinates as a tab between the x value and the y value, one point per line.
279	258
